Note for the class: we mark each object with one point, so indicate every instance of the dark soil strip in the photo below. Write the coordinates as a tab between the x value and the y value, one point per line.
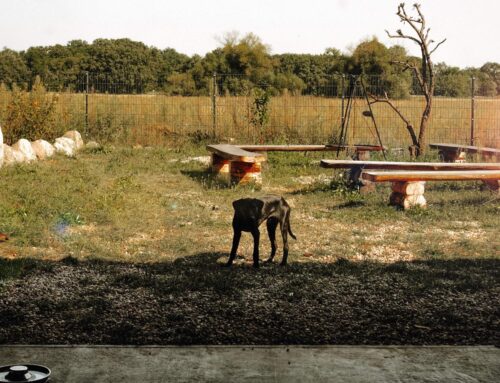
195	301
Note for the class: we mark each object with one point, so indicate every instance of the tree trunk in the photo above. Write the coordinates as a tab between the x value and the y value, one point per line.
422	144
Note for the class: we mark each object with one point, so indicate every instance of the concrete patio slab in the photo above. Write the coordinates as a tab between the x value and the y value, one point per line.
260	363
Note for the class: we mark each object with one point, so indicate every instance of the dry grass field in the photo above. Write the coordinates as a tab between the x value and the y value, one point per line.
125	246
292	119
154	118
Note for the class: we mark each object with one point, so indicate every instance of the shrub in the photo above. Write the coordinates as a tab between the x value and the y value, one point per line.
31	115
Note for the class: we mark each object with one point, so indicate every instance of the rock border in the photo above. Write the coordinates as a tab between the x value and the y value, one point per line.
24	151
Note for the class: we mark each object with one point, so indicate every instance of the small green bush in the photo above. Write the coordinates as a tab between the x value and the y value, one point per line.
31	115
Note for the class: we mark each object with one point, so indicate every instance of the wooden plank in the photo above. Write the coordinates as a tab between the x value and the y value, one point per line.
370	148
465	175
235	153
307	148
390	165
465	148
285	148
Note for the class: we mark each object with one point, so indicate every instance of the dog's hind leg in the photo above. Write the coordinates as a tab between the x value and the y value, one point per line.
284	234
234	248
256	237
271	224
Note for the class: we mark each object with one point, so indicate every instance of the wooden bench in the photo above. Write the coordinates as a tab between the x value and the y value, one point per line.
391	165
408	186
357	167
241	165
362	152
457	153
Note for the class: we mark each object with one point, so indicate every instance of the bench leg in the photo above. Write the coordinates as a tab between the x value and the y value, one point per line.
219	165
408	194
245	172
452	156
355	180
493	185
361	155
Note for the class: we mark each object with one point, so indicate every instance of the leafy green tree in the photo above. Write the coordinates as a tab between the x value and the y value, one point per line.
244	62
451	81
131	66
181	84
319	73
170	62
374	59
13	69
492	70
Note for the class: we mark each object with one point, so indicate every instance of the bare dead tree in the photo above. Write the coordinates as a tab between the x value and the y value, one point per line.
424	74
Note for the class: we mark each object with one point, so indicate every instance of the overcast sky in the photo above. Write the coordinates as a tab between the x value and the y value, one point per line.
472	28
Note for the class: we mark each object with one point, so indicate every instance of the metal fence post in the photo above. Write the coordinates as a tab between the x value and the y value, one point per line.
214	104
472	109
86	104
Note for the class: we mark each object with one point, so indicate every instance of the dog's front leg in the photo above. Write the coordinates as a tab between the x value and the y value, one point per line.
256	237
234	248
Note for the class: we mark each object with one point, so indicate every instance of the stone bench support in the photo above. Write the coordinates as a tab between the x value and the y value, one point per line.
408	194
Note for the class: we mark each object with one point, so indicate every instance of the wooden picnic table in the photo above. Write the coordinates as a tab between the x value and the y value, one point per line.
456	152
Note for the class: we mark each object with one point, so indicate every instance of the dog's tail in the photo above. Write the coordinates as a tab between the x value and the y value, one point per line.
289	226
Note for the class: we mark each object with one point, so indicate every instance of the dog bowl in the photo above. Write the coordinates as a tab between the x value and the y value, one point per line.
21	373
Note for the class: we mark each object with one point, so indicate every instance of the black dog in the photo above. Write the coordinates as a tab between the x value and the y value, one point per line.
249	213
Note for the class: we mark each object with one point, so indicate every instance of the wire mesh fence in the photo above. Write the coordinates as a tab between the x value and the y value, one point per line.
238	110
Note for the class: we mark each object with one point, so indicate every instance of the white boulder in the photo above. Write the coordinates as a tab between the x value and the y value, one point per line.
43	149
12	156
24	146
65	146
75	136
1	147
8	159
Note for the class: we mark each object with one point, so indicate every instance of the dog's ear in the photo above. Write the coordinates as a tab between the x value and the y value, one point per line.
236	203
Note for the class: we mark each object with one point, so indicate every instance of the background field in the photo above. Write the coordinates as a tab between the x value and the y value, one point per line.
168	120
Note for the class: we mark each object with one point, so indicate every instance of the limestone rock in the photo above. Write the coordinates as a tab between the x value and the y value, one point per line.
65	146
43	149
12	156
75	136
409	188
24	146
8	158
407	201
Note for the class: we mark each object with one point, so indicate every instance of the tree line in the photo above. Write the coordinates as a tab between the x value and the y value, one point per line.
126	66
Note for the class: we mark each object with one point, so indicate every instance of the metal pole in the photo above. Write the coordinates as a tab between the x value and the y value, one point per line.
214	104
342	117
472	108
86	104
372	116
342	105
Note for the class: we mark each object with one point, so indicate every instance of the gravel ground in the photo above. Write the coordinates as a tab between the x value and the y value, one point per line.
194	301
